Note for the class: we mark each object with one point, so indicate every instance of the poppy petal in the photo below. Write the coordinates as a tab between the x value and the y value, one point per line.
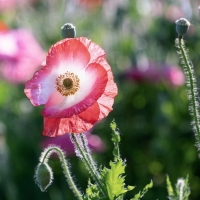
59	126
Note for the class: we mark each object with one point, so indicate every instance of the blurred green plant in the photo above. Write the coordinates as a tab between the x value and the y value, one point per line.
157	138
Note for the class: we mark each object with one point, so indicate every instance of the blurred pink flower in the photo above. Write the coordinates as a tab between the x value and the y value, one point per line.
90	4
148	74
20	55
5	4
171	75
95	143
173	13
12	4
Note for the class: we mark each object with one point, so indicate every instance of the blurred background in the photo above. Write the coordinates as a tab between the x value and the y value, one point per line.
151	109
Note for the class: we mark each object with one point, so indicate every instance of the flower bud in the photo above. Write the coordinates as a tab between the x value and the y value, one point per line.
182	26
68	31
43	176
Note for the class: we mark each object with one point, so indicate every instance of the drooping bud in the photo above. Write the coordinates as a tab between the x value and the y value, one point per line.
43	176
68	31
182	26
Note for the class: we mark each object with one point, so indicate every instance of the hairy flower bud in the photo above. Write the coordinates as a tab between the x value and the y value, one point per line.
182	26
43	176
68	31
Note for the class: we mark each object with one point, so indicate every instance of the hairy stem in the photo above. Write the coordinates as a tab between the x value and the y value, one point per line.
88	154
192	89
65	168
88	165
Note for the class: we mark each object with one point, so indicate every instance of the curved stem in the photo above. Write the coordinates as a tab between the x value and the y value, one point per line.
193	94
65	168
87	163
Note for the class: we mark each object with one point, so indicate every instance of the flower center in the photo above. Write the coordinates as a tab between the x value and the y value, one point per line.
67	83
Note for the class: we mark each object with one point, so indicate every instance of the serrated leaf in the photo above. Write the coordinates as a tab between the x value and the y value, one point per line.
103	172
116	135
92	192
115	181
169	187
129	187
186	190
142	193
115	139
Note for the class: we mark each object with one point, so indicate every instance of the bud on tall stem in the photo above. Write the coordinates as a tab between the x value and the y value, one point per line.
188	69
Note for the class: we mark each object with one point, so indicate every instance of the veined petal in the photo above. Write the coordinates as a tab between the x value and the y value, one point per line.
76	124
59	126
91	114
107	99
95	50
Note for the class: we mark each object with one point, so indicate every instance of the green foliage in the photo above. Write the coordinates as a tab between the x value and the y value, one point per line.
113	177
169	187
114	180
92	192
182	190
115	139
142	193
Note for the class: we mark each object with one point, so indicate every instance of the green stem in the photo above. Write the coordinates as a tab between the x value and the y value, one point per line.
192	87
87	163
88	155
65	168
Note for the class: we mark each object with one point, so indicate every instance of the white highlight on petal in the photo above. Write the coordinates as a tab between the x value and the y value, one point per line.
87	81
47	87
65	66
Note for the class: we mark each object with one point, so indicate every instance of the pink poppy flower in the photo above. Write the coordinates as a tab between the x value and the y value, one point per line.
20	55
76	85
